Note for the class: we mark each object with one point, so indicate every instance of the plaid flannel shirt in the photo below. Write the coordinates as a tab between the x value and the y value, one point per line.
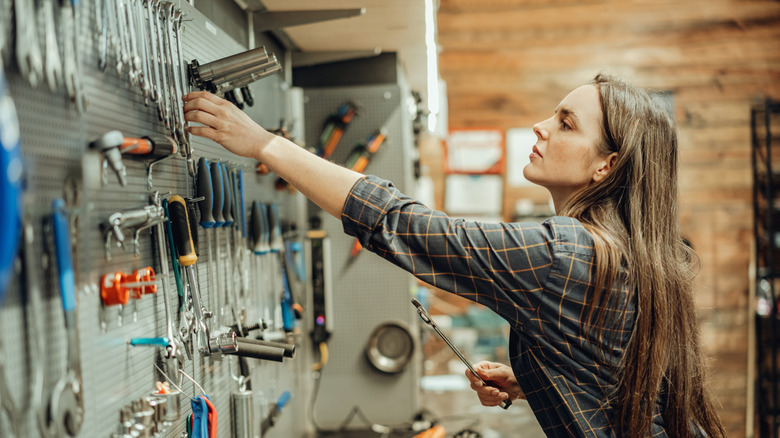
536	276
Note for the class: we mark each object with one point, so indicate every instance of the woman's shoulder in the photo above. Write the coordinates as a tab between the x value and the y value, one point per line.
569	234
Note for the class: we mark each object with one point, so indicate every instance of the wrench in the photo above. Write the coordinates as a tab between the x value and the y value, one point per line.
147	77
28	53
35	328
66	407
52	62
156	8
174	21
71	70
154	62
167	9
134	58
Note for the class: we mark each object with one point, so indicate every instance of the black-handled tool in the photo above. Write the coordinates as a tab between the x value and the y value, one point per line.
216	190
204	190
428	320
185	248
227	196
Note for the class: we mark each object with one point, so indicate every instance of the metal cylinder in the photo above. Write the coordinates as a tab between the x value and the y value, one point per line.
234	75
241	413
231	63
172	406
246	80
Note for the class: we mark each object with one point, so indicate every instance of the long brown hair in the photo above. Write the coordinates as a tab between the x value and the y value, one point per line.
633	217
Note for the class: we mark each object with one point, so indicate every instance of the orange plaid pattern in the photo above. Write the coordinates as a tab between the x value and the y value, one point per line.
538	277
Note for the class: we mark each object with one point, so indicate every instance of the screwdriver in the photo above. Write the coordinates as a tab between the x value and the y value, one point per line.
207	221
289	304
182	237
219	221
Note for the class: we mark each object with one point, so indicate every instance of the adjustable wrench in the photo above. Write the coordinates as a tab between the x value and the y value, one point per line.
66	407
71	70
52	61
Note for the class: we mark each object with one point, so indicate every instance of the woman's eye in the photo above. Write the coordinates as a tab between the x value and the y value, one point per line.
565	126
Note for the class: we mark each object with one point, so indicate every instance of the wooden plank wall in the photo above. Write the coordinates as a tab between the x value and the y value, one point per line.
508	63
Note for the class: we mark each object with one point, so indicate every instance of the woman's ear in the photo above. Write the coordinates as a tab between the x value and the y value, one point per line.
605	167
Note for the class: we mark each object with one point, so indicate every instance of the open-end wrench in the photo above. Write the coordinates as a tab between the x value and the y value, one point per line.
34	311
52	62
154	63
165	92
124	37
135	58
166	11
71	70
28	53
66	406
146	79
174	22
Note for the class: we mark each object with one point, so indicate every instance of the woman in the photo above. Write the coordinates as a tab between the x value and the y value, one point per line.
604	336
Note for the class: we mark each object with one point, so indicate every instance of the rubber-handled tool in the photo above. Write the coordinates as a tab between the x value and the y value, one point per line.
162	342
227	196
10	185
273	415
155	145
174	254
262	352
275	229
64	260
426	317
240	177
204	190
217	194
185	247
192	216
255	228
182	236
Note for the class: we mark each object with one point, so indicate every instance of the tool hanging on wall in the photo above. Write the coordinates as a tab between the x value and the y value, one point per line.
272	418
203	421
207	345
363	152
66	406
10	184
291	308
130	221
113	145
334	127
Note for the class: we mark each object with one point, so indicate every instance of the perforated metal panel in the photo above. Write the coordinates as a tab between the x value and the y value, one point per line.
55	139
366	292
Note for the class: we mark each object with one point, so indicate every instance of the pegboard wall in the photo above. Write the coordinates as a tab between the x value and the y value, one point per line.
369	293
59	164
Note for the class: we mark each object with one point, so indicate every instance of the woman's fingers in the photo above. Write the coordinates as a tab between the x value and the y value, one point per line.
203	105
204	131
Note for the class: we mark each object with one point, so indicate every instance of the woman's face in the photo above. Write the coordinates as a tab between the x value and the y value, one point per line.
564	158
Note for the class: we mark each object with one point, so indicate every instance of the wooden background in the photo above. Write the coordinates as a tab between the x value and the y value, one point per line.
508	64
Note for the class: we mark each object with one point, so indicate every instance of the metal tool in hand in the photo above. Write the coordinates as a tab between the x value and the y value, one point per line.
66	407
428	320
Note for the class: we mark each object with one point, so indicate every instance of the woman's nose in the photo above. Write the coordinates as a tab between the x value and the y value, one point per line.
539	131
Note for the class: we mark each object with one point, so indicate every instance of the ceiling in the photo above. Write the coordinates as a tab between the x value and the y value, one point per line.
392	26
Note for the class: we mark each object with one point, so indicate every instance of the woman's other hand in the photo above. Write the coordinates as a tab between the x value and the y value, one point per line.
502	381
225	124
